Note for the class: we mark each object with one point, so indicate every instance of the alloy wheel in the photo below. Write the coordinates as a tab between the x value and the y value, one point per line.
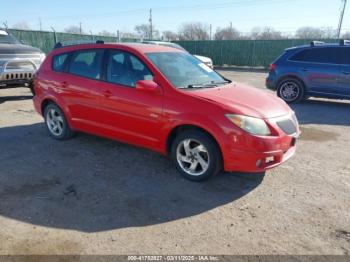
289	91
55	122
193	157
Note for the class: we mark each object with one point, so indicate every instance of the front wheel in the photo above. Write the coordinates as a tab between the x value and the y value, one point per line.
196	155
291	90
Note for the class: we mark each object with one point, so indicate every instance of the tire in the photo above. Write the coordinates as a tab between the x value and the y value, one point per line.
56	123
291	90
200	160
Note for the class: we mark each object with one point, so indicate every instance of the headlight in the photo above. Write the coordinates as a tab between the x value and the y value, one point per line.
252	125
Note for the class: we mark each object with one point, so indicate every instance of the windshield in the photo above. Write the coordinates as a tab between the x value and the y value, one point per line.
6	38
185	71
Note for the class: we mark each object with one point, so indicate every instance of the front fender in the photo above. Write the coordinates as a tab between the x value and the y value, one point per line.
203	122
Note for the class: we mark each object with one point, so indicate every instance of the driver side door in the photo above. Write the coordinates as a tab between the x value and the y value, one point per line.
129	114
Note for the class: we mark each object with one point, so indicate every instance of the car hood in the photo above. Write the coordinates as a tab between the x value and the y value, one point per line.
9	49
242	99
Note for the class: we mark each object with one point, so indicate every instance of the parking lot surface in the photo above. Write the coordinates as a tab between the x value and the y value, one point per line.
90	195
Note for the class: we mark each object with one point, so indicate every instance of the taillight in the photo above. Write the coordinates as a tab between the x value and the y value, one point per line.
272	67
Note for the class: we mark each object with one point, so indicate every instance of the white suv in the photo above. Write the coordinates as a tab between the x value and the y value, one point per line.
205	60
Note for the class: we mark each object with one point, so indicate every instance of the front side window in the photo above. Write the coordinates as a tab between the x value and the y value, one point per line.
185	71
58	62
126	69
87	63
324	55
346	56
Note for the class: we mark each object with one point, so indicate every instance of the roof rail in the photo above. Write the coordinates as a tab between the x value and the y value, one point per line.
344	42
77	42
316	43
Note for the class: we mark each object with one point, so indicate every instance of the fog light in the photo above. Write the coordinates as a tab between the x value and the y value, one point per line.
270	159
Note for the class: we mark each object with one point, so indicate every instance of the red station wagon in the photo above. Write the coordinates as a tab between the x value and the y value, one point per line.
166	100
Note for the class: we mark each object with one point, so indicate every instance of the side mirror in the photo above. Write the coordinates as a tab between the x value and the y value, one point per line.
148	86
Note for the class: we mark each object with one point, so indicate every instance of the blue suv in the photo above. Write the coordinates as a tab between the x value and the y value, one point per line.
317	70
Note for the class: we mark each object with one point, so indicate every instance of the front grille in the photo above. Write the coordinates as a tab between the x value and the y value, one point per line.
15	76
288	126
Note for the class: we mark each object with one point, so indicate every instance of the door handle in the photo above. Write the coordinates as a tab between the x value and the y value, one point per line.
107	93
64	84
304	69
346	72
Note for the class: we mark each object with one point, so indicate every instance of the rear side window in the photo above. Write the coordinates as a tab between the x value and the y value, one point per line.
346	56
328	55
59	62
87	63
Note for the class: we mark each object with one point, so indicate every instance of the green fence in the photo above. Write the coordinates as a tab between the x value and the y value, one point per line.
250	53
46	40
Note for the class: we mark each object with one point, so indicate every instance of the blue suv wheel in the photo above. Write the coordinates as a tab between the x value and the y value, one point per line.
291	90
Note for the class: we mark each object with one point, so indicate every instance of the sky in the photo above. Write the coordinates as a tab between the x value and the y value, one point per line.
123	15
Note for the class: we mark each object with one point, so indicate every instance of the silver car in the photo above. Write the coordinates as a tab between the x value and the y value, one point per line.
18	62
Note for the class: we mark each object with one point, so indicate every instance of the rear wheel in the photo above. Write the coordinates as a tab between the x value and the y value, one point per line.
56	122
196	155
291	90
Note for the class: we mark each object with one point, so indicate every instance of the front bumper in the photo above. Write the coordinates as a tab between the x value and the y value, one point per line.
256	162
249	153
17	72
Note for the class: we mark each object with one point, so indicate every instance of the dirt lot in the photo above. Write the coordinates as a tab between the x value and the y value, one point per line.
89	195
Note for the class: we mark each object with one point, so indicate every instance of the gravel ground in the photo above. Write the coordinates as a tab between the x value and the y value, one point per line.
90	195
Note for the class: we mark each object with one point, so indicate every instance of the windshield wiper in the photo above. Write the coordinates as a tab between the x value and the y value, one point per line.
202	86
212	84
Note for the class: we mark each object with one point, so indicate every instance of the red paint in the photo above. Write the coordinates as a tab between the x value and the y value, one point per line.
146	115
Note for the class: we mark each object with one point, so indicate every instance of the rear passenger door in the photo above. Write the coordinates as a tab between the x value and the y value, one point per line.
319	68
80	89
344	78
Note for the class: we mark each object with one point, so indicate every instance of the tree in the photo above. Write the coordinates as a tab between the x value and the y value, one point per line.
170	36
227	33
266	33
73	29
194	31
308	32
329	33
107	33
144	31
21	26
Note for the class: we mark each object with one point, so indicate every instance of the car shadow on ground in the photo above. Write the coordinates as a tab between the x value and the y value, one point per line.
324	112
14	98
92	184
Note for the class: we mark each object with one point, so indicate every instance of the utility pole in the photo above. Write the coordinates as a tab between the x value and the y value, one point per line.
40	25
80	30
150	25
341	17
230	26
210	32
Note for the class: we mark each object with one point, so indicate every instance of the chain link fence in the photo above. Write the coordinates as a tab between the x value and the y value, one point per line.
243	53
46	40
